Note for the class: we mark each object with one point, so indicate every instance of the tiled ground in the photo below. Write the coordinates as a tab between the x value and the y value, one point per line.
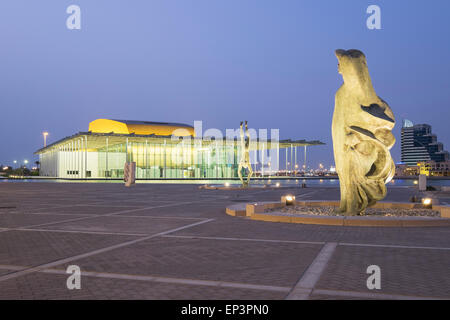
86	209
277	264
118	224
53	286
20	220
31	248
412	272
240	228
155	241
5	271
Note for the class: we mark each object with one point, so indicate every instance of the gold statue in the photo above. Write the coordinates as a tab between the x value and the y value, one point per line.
362	137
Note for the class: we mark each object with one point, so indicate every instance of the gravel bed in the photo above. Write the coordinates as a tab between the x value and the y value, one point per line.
331	211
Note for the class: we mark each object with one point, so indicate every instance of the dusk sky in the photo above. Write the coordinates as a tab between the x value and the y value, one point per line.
270	62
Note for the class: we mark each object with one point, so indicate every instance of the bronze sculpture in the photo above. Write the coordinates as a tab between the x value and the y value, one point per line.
244	163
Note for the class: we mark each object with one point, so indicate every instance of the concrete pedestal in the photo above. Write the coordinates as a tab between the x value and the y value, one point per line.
422	182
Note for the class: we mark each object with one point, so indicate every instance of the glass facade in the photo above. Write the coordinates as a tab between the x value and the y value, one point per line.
103	156
168	161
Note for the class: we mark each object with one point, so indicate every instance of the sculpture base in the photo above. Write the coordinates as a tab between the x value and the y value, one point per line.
240	187
267	211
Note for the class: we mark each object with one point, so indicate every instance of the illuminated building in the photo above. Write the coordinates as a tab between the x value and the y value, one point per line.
418	144
160	150
435	169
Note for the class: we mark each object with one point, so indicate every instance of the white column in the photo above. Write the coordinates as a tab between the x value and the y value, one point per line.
295	165
78	157
165	163
106	158
292	158
65	161
262	160
305	159
72	158
146	158
85	156
286	160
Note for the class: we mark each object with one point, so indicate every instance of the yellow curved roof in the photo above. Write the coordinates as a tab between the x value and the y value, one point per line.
140	127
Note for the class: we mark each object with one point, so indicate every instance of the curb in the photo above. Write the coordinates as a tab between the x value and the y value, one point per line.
256	211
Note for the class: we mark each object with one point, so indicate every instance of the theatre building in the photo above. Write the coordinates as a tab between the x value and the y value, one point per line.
160	150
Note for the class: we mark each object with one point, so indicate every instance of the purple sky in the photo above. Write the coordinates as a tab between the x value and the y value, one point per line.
221	61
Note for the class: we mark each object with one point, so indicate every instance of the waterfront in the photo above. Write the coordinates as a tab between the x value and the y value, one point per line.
285	181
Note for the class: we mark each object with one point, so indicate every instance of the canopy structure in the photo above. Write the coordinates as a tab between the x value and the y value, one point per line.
96	140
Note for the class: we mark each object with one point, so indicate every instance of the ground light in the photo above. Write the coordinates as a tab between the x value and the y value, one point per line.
289	199
427	203
227	184
277	184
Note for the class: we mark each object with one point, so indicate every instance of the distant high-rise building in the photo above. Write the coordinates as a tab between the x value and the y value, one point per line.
419	144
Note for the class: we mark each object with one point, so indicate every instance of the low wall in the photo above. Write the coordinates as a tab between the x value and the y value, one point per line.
257	211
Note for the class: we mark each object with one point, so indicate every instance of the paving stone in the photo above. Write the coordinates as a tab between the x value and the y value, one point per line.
119	224
276	264
202	210
411	272
86	209
337	297
5	271
52	286
15	220
246	228
404	271
31	248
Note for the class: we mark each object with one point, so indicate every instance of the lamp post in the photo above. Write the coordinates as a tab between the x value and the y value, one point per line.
45	134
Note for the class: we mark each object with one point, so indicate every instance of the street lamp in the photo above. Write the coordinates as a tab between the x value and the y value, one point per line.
45	134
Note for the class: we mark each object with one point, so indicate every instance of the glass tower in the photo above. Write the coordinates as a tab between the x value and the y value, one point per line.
419	144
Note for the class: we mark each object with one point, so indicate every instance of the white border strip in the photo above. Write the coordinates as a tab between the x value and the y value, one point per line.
305	285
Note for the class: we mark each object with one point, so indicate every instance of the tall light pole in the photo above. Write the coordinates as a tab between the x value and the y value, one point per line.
45	134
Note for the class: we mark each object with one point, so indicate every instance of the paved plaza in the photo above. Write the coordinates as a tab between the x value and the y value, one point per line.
171	241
